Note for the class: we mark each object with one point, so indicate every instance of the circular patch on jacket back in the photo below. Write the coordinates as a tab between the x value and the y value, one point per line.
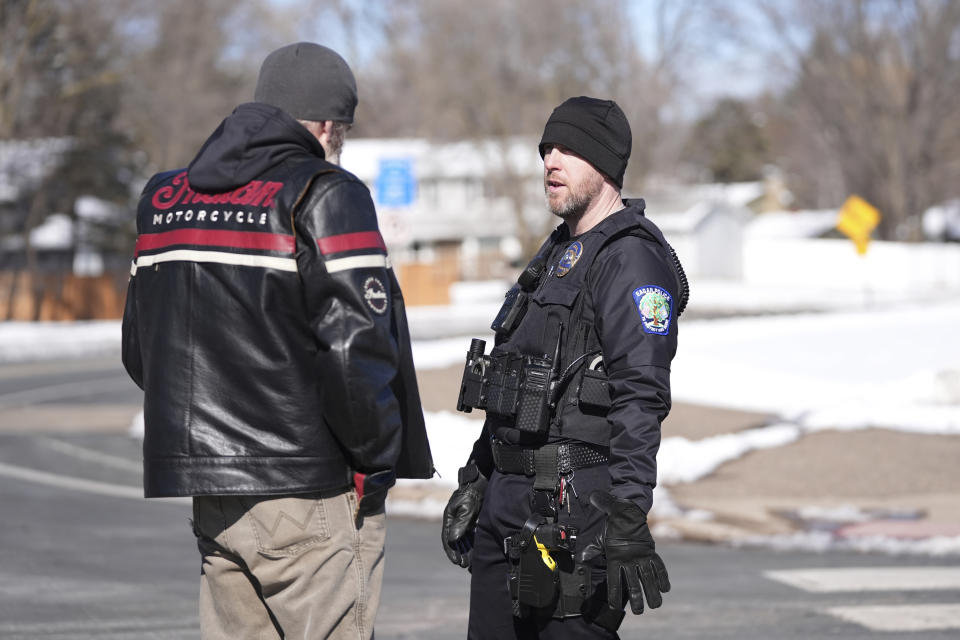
375	294
570	257
655	306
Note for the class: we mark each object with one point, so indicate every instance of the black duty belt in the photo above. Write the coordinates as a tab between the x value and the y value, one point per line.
562	458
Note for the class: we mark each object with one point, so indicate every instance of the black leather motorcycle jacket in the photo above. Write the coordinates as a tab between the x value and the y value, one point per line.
617	292
264	323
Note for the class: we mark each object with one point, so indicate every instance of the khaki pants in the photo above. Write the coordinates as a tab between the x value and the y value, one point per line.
293	567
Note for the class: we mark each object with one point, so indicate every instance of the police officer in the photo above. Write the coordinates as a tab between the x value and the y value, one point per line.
550	513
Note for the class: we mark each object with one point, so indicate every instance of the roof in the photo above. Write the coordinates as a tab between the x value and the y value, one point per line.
673	198
688	221
810	223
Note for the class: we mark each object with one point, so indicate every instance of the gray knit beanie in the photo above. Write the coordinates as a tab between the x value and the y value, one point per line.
308	81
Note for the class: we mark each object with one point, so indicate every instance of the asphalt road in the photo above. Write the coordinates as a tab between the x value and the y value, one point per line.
83	556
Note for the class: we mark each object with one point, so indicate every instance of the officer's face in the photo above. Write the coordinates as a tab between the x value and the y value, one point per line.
570	182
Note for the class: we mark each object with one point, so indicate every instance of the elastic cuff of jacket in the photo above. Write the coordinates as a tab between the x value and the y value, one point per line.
642	502
470	474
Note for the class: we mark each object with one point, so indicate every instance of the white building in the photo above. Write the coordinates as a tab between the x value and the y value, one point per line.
705	224
429	193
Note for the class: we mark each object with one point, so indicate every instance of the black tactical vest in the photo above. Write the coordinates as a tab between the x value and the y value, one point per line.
560	309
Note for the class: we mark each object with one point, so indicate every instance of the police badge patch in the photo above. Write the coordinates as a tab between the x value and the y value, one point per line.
655	306
570	257
375	294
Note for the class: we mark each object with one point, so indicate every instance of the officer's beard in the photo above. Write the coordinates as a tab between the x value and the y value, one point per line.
578	200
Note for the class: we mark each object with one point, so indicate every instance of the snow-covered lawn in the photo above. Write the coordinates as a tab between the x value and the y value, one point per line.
897	368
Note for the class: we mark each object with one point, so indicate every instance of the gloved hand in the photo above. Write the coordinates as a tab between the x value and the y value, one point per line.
371	492
461	513
628	547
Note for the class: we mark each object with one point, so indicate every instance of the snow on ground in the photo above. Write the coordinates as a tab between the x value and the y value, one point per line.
890	366
441	353
681	460
23	341
895	367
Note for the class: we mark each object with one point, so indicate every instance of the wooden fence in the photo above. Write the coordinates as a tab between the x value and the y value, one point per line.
55	296
64	296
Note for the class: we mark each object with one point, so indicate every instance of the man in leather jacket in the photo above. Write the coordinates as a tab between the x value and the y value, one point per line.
590	330
265	325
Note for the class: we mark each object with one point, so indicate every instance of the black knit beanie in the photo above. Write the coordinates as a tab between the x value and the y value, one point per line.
308	81
596	130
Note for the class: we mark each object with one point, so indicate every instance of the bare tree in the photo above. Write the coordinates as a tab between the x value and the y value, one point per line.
178	84
453	69
59	78
874	101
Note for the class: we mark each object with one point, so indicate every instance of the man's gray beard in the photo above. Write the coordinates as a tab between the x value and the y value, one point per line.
337	136
578	202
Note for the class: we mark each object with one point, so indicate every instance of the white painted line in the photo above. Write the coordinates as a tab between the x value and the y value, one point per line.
23	370
62	391
32	629
80	484
92	455
917	617
869	579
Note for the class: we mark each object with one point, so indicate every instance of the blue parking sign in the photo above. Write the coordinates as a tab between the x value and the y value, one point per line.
395	184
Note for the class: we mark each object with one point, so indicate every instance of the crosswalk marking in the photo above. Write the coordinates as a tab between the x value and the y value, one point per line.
916	617
869	579
888	617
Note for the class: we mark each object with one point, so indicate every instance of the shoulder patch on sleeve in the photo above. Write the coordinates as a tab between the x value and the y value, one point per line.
375	294
655	306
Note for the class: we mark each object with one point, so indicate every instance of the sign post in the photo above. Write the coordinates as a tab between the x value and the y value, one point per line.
396	189
857	219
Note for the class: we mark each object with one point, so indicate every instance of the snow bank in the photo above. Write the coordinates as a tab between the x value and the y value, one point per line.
23	341
894	367
681	460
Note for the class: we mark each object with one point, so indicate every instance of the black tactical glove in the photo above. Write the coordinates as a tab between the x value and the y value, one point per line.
628	547
371	492
461	513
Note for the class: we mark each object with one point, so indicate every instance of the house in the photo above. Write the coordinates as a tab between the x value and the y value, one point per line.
451	211
63	275
942	222
705	224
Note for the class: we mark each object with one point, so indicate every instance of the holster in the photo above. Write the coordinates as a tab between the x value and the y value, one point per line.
559	591
532	583
536	588
596	611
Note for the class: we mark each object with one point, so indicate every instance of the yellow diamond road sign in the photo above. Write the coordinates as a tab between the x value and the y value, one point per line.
856	220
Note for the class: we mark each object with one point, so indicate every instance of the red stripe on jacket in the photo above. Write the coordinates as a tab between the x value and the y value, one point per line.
351	241
215	238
